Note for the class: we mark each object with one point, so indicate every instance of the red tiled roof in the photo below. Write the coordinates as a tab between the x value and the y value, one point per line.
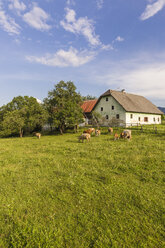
87	106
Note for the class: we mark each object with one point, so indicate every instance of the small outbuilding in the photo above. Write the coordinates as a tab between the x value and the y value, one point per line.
87	108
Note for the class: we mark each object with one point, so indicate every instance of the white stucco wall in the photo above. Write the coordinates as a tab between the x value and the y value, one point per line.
124	117
136	117
107	110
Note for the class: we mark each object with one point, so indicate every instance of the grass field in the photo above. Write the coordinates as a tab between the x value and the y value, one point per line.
56	192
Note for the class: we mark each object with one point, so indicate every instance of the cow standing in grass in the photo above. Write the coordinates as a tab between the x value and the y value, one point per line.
84	136
110	130
38	135
126	134
97	132
116	136
90	131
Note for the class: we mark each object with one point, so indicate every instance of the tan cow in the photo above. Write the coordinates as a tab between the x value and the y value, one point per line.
110	130
87	131
84	136
122	135
126	134
116	136
97	132
90	131
38	135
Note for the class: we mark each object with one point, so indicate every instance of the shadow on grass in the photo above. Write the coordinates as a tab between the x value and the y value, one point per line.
73	141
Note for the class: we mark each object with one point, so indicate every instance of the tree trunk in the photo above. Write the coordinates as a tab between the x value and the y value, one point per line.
61	131
21	133
76	128
62	128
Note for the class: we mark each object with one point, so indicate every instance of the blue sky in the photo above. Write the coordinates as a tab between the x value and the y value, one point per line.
97	44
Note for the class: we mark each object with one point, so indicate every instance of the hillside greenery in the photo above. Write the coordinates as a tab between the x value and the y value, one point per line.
57	192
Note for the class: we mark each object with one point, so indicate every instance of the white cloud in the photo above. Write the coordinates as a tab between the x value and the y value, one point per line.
16	4
17	41
152	9
99	3
119	38
7	23
136	76
70	2
107	47
148	81
37	18
82	25
63	58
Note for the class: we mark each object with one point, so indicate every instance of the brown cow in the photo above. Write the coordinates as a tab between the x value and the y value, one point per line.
110	130
84	136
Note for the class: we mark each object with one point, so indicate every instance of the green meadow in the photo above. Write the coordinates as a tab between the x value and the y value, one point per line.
56	192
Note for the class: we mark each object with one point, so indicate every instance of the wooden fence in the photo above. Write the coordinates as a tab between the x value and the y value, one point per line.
155	129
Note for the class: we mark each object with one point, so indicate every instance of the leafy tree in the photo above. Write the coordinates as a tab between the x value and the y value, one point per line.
13	123
88	97
64	106
22	114
96	119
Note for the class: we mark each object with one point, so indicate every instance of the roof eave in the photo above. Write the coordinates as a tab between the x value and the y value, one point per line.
140	112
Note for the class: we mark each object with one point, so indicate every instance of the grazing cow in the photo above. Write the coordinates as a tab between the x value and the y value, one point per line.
90	131
126	134
110	130
84	136
38	135
122	135
87	131
116	136
97	132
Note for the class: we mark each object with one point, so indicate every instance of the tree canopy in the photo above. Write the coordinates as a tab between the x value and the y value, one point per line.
20	115
64	106
88	97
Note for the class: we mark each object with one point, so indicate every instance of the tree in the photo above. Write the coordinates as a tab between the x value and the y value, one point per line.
22	114
13	123
96	119
64	106
88	97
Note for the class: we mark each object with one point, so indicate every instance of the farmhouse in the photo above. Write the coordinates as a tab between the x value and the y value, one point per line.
118	108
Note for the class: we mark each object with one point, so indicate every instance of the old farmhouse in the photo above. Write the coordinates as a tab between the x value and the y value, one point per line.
118	108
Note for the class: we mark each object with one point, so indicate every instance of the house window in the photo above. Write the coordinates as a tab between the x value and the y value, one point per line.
106	99
117	116
139	118
101	108
158	119
113	107
131	116
107	117
154	119
145	119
